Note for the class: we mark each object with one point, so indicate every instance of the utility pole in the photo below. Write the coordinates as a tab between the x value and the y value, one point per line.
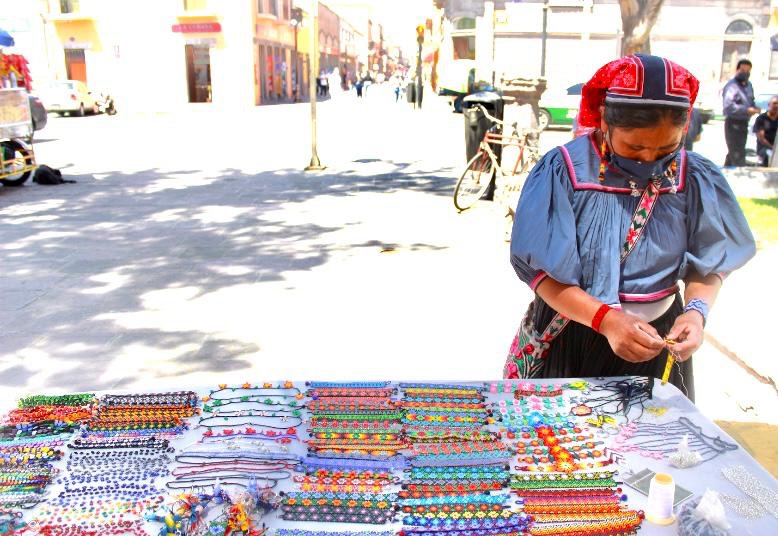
544	39
313	64
297	20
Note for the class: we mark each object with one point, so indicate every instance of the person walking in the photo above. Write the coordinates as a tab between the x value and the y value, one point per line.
694	132
739	106
765	127
609	224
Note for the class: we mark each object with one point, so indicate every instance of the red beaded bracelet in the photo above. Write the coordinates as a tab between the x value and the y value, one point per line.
599	315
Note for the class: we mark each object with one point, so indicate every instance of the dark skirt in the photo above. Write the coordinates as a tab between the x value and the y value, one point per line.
580	352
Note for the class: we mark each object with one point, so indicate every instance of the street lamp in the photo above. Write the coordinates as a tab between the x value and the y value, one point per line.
313	68
296	22
419	82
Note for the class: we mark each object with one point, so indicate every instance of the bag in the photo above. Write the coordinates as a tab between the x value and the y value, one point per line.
49	176
530	347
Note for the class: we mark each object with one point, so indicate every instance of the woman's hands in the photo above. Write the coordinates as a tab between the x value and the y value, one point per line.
687	332
631	338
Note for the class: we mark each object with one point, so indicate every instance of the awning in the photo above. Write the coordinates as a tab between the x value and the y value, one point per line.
5	39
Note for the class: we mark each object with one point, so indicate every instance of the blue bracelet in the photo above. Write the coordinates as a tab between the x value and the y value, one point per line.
700	306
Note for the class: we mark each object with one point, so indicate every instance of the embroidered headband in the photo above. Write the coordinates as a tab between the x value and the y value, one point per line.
637	79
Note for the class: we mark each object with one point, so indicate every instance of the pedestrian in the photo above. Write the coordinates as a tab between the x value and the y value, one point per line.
694	131
397	88
358	86
739	106
568	242
765	127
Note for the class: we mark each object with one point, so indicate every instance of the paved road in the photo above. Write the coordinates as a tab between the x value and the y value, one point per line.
193	249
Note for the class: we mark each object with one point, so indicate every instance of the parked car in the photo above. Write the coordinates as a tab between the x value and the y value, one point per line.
39	115
71	97
559	108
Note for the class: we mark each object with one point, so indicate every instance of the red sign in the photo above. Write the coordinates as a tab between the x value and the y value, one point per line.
198	27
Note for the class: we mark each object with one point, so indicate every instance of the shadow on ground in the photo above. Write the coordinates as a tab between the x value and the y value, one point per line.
75	256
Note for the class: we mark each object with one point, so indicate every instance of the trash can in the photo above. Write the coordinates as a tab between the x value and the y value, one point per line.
476	123
410	92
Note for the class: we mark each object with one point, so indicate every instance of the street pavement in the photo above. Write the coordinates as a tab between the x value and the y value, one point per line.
194	250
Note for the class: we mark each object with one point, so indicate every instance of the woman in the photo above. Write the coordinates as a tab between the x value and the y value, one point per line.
607	226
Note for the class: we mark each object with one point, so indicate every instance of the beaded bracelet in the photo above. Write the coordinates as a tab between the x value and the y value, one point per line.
412	387
370	517
539	389
176	398
423	488
365	500
308	532
77	399
454	473
351	474
576	480
376	392
457	499
502	519
312	462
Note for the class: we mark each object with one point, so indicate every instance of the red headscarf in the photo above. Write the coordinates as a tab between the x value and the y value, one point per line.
637	79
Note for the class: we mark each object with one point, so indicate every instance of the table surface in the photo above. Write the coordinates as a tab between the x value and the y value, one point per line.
696	479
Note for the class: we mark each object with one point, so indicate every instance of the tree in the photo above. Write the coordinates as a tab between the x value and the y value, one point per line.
637	20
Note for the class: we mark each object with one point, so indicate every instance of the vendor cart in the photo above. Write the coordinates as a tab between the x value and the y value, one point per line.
17	158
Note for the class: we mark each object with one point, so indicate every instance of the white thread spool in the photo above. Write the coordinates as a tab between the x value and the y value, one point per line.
661	495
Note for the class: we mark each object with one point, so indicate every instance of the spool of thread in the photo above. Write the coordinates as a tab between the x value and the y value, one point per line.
661	495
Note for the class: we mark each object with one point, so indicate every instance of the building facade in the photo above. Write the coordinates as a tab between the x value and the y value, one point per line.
709	37
154	55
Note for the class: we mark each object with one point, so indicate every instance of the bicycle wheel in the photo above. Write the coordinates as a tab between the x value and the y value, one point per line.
474	181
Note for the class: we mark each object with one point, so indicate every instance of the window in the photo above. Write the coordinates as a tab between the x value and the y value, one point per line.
195	5
739	27
260	6
464	23
287	14
68	6
464	47
274	7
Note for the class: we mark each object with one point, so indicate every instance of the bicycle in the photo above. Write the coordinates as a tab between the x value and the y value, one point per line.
484	167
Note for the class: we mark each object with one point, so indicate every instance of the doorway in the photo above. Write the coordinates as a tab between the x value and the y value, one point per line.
198	73
75	64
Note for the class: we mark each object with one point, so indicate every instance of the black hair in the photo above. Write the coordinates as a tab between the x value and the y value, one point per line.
643	116
744	62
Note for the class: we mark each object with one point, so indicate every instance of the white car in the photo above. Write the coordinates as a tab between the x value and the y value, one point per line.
69	96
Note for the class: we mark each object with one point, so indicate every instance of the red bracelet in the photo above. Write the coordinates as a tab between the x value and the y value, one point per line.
599	315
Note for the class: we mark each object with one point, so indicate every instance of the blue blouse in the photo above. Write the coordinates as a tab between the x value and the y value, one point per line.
570	226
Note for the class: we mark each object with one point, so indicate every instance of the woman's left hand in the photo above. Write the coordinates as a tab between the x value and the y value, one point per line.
687	331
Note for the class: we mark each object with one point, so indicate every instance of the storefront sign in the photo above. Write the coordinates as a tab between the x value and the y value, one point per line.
78	45
274	34
198	27
201	41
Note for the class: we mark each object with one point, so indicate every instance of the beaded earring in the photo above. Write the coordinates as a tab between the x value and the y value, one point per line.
604	158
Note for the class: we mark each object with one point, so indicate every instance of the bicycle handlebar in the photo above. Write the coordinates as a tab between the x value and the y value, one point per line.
489	116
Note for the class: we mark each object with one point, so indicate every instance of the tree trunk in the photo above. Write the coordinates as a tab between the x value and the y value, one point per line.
637	20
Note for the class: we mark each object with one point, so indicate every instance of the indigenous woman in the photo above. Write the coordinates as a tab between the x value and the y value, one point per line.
607	226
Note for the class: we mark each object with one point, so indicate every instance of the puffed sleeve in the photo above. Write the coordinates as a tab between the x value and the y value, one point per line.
719	239
543	241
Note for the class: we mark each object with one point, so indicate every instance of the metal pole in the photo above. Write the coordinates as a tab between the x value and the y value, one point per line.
296	69
544	38
313	63
419	81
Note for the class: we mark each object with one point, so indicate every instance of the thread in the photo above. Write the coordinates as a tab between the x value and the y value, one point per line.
661	494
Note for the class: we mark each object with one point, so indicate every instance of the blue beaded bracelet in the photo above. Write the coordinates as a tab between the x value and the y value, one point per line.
700	306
